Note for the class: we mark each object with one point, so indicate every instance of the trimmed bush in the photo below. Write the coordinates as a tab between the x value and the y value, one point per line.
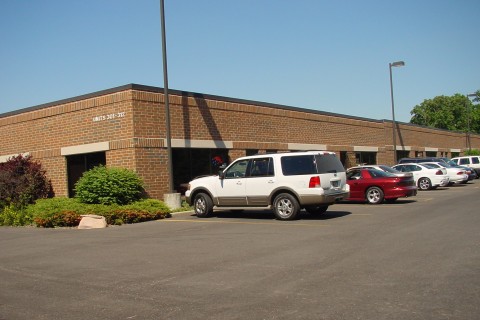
22	181
65	212
141	211
57	212
102	185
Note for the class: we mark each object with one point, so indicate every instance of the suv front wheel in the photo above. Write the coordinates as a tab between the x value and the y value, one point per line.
202	205
285	207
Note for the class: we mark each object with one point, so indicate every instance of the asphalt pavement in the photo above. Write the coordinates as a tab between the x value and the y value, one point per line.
418	258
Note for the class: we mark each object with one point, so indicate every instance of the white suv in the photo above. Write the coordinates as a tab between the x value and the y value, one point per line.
284	182
469	161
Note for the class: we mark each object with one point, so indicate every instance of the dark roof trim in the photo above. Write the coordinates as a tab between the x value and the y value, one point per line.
64	101
243	101
138	87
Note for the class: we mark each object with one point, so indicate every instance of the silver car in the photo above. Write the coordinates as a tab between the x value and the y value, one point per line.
384	168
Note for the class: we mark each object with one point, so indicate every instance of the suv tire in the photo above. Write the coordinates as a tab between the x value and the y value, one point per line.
203	205
285	207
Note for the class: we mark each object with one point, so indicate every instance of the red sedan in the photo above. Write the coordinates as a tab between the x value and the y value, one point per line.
374	186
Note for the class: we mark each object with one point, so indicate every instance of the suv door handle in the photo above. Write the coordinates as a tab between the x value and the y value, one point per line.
271	181
239	182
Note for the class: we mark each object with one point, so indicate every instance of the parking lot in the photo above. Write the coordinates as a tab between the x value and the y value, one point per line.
418	258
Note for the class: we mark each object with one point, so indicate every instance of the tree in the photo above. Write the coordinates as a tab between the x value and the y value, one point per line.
456	113
22	181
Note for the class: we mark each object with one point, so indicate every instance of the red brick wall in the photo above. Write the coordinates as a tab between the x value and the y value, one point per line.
136	139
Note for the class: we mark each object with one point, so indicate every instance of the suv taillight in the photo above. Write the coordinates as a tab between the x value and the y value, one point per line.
439	173
314	182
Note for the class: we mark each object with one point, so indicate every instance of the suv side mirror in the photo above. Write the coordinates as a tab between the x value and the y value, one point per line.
221	174
221	169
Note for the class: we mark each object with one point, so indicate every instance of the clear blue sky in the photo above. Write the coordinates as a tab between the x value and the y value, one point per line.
326	55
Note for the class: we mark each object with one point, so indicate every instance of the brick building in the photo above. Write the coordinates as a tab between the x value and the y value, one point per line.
125	127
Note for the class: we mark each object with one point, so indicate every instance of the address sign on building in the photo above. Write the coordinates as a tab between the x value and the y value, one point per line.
109	116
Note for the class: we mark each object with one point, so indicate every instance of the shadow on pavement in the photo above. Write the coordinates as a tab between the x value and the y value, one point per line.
268	215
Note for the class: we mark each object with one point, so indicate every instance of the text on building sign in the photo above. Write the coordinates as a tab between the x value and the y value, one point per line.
109	116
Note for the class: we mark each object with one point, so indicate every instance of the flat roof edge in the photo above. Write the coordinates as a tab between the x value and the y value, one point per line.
246	101
67	100
133	86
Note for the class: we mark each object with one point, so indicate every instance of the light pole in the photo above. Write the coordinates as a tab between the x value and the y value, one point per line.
167	106
468	119
390	65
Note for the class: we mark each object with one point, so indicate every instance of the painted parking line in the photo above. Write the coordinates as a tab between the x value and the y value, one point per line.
368	206
285	224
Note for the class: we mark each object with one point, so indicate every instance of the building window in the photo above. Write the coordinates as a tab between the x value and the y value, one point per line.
431	153
402	154
344	159
366	158
79	163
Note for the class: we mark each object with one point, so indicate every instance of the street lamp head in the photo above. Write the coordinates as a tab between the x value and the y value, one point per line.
397	64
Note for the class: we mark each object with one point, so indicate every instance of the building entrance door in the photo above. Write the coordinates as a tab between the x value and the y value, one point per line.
189	163
79	163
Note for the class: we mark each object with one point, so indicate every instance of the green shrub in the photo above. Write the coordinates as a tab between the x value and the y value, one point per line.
102	185
140	211
151	206
65	212
473	152
13	216
57	212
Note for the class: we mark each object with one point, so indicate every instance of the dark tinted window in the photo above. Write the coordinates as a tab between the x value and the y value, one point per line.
475	160
379	174
262	167
295	165
328	163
